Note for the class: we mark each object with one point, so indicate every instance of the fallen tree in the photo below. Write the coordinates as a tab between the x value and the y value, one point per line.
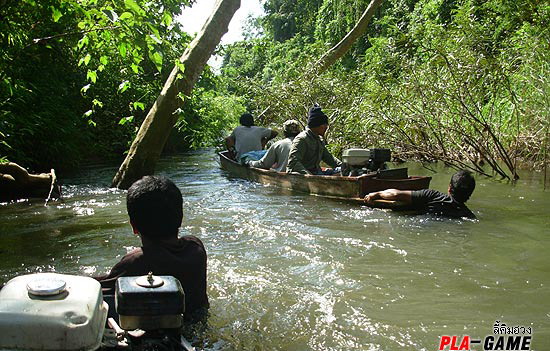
343	46
155	129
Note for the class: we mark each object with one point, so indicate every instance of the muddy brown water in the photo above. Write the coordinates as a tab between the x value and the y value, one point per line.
298	272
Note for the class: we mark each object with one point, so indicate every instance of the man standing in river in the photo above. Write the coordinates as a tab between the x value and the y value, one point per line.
452	205
155	208
308	148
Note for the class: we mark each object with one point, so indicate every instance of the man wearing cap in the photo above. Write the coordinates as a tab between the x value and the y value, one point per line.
277	155
247	137
308	148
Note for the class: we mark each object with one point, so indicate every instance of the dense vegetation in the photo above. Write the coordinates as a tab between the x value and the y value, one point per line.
463	81
77	78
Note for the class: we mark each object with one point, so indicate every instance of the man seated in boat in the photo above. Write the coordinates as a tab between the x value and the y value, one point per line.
276	156
247	137
452	204
308	148
155	208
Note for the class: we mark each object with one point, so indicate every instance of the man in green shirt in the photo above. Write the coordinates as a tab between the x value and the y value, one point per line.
308	148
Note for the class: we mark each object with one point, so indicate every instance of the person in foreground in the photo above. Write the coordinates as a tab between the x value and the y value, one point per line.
452	205
308	149
247	137
155	208
277	155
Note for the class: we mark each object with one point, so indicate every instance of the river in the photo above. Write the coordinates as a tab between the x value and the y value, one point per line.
299	272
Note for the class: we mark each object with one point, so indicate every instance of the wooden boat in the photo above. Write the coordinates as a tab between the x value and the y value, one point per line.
339	187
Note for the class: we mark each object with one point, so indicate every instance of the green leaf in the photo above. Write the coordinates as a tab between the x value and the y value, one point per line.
82	42
87	113
91	75
126	15
81	25
122	48
92	123
56	14
135	68
104	60
153	29
179	65
123	86
166	18
156	57
125	120
139	105
96	102
87	59
85	88
106	35
134	7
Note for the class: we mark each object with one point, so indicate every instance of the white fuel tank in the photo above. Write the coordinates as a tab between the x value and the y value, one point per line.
356	157
50	311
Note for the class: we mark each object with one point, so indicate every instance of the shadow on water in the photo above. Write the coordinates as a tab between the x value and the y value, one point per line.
297	272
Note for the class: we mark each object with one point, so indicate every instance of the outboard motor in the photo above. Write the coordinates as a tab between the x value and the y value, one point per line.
150	310
50	311
362	161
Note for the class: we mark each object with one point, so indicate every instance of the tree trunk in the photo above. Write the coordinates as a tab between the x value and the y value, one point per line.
340	49
160	120
16	183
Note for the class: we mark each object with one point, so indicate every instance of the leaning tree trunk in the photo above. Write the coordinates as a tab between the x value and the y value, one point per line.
160	120
340	49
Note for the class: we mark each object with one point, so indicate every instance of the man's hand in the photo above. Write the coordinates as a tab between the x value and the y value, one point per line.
231	153
370	198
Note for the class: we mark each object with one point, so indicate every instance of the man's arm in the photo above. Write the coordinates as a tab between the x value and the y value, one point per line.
329	159
230	144
404	196
267	161
296	155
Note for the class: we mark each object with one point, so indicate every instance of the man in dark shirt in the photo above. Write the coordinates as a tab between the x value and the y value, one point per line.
155	208
452	205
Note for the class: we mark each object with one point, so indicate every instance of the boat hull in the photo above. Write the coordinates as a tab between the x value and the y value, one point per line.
349	188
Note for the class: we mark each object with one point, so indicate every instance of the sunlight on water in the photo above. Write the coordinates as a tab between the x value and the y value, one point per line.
297	272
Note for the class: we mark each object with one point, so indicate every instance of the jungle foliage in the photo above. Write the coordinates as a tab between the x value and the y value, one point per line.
78	76
462	81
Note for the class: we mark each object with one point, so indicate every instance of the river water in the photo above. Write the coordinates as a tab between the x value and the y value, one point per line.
298	272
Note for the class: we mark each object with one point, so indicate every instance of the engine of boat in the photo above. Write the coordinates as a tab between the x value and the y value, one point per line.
150	310
363	161
50	311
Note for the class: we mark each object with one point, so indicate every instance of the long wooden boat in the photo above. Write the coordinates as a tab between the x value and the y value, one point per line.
339	187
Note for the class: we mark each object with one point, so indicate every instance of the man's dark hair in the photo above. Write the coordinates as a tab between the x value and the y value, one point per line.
246	120
462	185
155	207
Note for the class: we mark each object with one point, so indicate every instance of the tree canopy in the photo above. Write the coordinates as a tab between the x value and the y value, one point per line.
462	81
